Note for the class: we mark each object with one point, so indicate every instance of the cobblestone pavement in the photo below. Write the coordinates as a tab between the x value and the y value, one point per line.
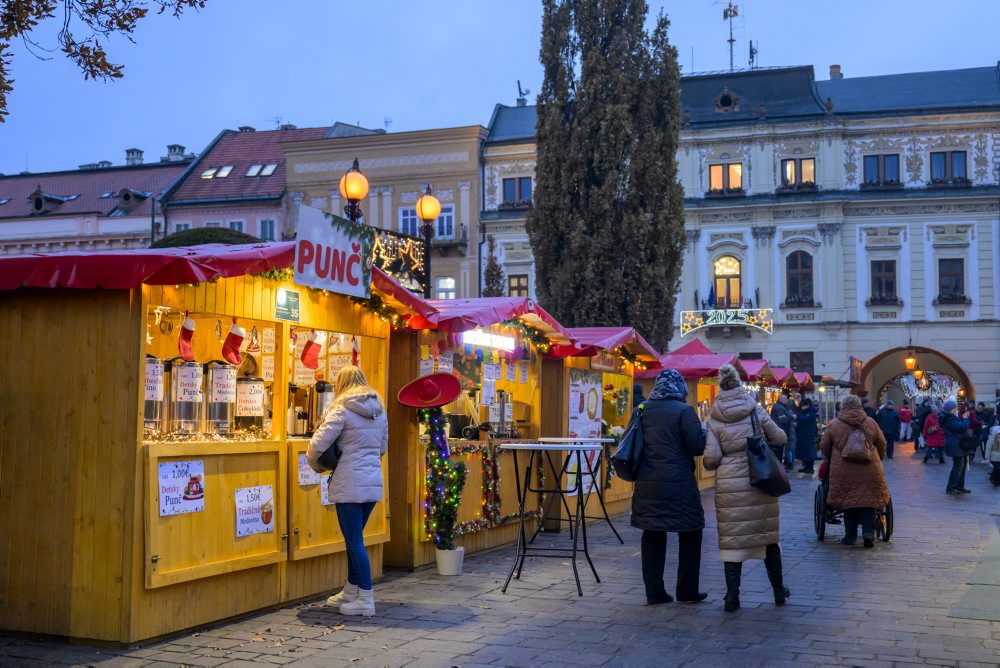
850	606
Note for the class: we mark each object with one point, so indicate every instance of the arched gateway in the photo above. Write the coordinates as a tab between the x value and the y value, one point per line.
888	372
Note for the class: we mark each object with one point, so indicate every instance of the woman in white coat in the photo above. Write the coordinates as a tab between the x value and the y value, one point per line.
357	423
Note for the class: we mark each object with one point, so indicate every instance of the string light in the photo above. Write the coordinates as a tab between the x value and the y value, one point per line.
382	310
536	336
444	483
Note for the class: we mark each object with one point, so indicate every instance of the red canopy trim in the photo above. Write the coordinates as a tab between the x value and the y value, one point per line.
805	381
785	377
756	371
591	340
693	347
692	366
461	315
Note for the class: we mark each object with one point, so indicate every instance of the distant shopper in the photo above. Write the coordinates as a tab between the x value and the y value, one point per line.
889	423
747	517
637	396
905	418
867	407
782	415
357	423
918	423
857	488
666	497
954	427
805	435
933	438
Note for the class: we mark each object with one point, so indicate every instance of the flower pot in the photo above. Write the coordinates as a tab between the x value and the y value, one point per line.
449	562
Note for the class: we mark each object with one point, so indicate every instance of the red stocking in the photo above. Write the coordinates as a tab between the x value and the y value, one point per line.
231	346
185	342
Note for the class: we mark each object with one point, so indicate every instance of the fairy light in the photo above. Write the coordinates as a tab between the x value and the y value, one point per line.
444	482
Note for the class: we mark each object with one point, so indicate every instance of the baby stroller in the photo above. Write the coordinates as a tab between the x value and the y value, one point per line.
823	514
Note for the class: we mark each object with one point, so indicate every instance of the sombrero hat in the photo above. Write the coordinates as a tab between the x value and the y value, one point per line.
430	391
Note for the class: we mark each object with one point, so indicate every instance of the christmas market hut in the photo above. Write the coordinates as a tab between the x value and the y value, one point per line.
759	378
497	349
155	408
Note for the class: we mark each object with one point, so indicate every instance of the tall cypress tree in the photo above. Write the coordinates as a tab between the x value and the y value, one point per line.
607	227
493	275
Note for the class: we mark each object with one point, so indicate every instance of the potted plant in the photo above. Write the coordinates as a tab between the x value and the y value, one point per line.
444	487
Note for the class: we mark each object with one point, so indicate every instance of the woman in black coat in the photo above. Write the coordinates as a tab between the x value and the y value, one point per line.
666	496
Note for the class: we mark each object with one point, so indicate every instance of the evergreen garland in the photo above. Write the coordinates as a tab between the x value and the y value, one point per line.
444	481
607	225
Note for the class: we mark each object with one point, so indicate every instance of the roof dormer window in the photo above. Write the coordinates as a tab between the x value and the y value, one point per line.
43	202
254	170
726	101
208	173
223	171
268	169
3	201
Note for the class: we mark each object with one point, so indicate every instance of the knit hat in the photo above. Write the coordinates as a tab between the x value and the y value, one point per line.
949	406
729	378
850	402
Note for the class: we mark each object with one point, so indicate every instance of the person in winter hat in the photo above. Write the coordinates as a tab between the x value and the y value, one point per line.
748	519
905	418
933	436
889	423
666	497
857	488
805	435
637	395
784	417
357	423
954	427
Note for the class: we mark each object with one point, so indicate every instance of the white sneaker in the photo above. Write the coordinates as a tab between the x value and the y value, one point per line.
346	595
363	605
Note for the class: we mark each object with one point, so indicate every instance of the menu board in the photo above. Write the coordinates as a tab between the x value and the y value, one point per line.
522	372
181	487
268	342
306	475
445	364
267	367
584	403
335	362
254	510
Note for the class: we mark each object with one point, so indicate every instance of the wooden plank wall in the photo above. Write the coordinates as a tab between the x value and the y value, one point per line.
68	429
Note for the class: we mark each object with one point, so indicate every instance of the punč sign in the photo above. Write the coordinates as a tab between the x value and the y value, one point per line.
333	253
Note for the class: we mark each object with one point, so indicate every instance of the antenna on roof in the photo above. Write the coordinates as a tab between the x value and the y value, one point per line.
522	95
277	121
387	123
753	54
729	13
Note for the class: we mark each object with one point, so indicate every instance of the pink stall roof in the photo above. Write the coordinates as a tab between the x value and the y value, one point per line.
691	366
461	315
785	377
756	370
693	347
126	269
590	340
805	381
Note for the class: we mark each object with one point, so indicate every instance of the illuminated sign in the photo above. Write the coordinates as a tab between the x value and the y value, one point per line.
760	318
477	337
401	257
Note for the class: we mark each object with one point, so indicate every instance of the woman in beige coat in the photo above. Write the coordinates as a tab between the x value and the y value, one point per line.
747	517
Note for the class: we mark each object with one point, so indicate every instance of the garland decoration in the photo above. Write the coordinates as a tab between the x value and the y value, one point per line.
630	358
535	336
376	305
277	274
445	481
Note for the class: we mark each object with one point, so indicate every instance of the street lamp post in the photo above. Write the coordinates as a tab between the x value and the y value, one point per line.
428	210
353	188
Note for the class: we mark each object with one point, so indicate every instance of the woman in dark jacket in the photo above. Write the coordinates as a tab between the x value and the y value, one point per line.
954	428
666	496
805	436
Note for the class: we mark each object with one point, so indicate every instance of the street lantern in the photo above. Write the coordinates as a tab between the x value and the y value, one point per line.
428	210
910	361
918	373
353	188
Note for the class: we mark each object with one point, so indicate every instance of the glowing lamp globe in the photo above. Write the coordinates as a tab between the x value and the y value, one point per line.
428	206
918	373
353	184
910	361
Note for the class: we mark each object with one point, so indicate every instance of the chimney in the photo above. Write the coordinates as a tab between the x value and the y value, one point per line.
835	72
522	102
287	126
104	164
133	156
247	128
175	152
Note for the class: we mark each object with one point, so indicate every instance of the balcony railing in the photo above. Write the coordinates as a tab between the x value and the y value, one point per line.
797	301
953	182
805	187
883	300
718	193
882	185
952	299
458	240
514	205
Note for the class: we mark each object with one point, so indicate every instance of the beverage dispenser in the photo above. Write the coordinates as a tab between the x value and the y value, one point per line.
250	403
220	397
187	405
320	399
153	417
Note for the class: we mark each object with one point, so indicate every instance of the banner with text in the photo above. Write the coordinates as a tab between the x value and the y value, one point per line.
333	253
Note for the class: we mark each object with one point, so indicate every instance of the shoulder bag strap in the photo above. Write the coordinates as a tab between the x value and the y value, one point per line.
754	421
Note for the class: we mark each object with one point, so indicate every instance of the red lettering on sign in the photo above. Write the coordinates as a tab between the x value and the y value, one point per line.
306	253
337	269
353	262
322	269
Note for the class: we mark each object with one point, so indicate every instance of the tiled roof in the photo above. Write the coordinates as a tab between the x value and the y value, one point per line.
241	150
512	124
968	88
90	184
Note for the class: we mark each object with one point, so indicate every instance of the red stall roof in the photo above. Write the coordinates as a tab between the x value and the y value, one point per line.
590	340
461	315
756	371
693	347
805	381
785	377
692	366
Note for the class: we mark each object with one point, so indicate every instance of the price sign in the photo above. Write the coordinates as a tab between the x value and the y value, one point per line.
250	399
154	380
223	389
189	383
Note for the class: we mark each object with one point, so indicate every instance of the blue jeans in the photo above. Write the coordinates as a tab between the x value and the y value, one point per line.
353	517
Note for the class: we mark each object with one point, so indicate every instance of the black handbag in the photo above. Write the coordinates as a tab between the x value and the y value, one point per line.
330	458
968	443
628	455
766	472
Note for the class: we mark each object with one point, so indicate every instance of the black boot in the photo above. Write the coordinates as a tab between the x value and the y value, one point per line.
772	563
733	570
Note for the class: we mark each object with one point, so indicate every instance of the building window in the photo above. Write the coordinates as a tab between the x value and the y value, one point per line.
517	285
517	191
883	282
881	169
268	169
444	288
214	223
798	172
182	227
236	225
802	362
725	177
409	223
948	167
951	280
799	279
223	171
446	223
267	230
751	356
254	170
726	291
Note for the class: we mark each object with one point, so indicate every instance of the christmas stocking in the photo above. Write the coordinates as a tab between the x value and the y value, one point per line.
185	342
355	352
231	346
312	349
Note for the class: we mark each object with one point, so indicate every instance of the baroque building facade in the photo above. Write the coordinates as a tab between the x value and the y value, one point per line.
829	219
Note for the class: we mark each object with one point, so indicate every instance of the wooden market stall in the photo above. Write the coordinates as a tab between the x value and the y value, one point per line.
142	493
758	376
607	358
496	347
